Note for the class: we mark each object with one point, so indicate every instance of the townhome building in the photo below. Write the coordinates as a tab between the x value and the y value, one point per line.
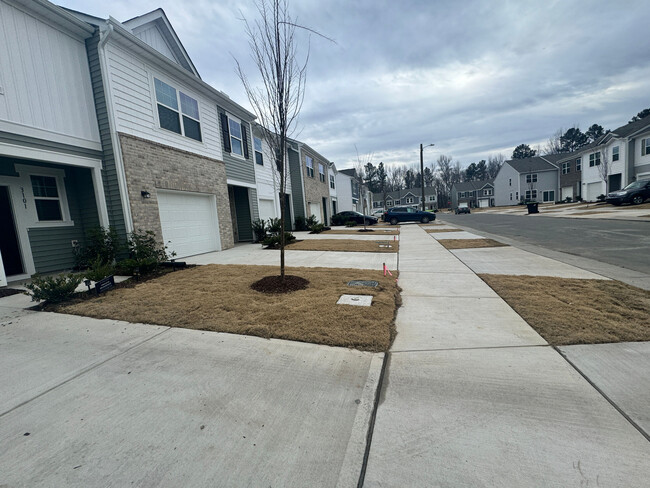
309	182
408	197
473	193
53	184
352	196
331	177
533	179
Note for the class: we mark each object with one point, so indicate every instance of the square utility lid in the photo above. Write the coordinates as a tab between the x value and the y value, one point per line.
356	300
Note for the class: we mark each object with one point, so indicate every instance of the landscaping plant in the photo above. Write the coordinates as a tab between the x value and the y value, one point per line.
260	229
53	289
99	270
101	245
300	223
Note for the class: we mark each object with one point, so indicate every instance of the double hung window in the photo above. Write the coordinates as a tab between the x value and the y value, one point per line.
321	172
594	159
615	153
531	178
310	166
46	198
184	121
259	157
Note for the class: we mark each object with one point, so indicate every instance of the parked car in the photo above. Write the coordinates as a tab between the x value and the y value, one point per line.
342	217
378	213
634	193
462	208
407	214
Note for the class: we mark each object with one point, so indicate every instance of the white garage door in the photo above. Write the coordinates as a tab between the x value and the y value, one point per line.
189	222
567	191
267	209
314	209
593	190
484	202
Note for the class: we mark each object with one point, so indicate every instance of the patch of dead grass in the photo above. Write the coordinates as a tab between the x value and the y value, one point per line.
359	232
431	231
344	245
470	243
571	311
219	298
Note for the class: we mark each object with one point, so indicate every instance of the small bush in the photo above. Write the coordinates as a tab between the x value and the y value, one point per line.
53	289
273	242
318	228
99	270
311	221
260	229
600	198
337	220
101	244
568	199
578	199
300	223
145	254
275	226
350	223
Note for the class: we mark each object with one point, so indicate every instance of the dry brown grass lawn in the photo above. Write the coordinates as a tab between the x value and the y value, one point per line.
219	298
345	245
430	231
359	232
470	243
570	311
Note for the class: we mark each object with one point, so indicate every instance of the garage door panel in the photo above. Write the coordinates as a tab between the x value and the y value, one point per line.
189	222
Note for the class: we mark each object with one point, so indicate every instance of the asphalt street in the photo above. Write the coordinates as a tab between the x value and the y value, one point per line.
621	243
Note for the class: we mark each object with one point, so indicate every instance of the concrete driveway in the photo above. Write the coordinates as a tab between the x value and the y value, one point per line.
87	402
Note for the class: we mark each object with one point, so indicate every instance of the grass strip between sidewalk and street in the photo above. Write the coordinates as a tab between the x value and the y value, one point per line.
344	245
219	298
576	311
470	243
435	231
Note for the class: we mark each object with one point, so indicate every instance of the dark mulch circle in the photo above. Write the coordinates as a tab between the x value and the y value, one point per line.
366	230
7	292
275	284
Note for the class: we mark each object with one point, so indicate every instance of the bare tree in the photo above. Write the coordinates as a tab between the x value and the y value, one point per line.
605	167
554	143
278	100
494	164
359	169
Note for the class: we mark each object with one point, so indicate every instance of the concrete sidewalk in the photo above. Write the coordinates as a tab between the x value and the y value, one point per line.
472	396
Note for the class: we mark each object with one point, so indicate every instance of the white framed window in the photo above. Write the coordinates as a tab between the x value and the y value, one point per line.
321	172
488	192
531	178
645	147
615	153
236	142
511	196
184	121
432	198
310	166
548	196
259	156
594	159
409	200
398	201
46	198
510	183
531	194
517	195
45	187
566	168
389	203
332	185
578	164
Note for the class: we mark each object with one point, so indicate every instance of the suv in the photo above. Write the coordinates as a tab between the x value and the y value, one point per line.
462	208
634	193
407	214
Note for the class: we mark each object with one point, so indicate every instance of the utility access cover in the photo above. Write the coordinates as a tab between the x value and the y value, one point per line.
356	300
363	283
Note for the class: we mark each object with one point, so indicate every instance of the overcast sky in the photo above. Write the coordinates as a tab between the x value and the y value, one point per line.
474	77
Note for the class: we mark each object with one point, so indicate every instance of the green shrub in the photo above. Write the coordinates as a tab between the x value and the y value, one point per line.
350	223
260	229
301	224
101	244
145	254
318	228
275	226
53	289
99	270
273	242
311	221
337	220
130	267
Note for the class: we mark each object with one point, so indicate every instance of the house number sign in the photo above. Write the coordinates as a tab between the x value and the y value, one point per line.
22	189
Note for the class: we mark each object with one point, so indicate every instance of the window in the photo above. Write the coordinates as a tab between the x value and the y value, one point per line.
517	195
548	196
645	147
409	199
376	204
259	157
332	185
46	198
566	168
594	159
579	164
511	196
397	202
432	198
235	137
310	166
321	172
389	203
488	192
510	183
531	178
615	154
531	194
168	100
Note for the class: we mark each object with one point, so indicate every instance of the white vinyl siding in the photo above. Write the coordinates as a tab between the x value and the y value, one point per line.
152	36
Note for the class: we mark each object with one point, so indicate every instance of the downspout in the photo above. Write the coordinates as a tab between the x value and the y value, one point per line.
117	152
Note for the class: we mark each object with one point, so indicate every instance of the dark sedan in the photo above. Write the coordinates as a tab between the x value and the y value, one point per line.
408	214
634	193
342	217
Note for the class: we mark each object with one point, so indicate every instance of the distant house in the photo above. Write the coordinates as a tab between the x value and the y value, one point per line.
411	197
531	179
474	193
349	194
309	182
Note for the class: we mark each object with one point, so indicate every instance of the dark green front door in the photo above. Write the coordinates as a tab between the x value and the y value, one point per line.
11	259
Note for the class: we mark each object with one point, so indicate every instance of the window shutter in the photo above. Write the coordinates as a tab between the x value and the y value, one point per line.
244	139
225	133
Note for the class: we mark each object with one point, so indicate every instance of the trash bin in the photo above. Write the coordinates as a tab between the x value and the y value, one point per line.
532	208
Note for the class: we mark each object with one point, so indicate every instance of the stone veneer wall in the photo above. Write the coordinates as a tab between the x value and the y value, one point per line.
315	189
151	166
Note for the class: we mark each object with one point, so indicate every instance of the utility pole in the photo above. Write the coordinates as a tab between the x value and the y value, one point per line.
422	171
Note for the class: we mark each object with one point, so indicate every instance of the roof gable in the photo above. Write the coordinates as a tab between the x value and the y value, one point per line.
155	29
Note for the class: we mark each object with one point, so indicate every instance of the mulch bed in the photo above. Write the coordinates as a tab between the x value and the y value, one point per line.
277	284
379	232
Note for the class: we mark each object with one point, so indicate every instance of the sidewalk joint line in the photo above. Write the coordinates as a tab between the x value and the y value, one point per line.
469	348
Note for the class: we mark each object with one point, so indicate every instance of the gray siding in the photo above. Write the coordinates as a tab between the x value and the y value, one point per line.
254	203
297	188
502	188
52	247
237	168
109	170
243	211
546	181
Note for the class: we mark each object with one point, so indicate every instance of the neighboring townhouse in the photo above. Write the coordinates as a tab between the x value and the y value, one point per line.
570	168
51	188
331	177
531	179
309	182
268	181
178	154
348	191
474	193
411	197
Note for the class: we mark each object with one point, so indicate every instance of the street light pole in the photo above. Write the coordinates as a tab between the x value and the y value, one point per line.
422	171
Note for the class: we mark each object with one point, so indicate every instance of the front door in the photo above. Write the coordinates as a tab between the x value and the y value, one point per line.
9	247
324	210
233	214
614	182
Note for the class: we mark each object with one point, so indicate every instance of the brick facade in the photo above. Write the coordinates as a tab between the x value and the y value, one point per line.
150	166
315	189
